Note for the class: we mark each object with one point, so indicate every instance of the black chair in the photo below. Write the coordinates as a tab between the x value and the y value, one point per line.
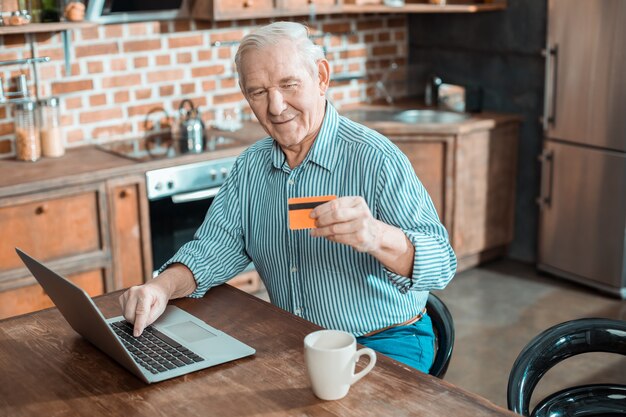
443	326
555	345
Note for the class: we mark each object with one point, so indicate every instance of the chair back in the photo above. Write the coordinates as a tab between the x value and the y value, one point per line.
594	400
443	326
557	344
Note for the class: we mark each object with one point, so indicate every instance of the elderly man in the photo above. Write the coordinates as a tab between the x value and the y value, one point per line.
377	249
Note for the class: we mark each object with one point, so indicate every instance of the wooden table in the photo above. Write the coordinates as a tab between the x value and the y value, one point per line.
47	369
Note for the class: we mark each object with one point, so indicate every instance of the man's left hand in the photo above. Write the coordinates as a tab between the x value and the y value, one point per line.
348	220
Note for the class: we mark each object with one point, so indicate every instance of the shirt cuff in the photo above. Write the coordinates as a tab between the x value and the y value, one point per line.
427	265
189	260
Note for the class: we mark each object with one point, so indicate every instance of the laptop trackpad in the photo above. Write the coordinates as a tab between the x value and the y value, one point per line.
189	332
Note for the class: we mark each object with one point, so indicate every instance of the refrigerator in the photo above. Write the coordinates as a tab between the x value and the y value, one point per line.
582	217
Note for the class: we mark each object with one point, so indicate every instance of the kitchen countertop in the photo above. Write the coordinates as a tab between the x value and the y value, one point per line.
475	122
88	164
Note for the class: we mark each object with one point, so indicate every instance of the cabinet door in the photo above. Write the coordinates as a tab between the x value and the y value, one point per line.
585	83
430	161
130	235
583	215
32	297
51	225
484	192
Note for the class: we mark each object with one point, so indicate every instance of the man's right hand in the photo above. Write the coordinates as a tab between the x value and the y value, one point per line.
143	304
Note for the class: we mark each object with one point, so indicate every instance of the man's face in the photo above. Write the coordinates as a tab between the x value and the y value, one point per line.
284	96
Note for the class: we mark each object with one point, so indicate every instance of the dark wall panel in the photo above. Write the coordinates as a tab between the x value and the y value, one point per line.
500	54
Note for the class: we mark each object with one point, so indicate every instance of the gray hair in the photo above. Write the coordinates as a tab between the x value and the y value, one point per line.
272	34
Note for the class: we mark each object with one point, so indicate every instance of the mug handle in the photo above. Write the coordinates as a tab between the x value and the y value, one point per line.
357	356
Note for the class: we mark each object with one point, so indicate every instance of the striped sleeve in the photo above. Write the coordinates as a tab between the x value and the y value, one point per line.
217	251
404	202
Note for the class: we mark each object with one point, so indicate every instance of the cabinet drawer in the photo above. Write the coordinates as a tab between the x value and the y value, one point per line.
50	228
306	5
222	9
248	281
32	297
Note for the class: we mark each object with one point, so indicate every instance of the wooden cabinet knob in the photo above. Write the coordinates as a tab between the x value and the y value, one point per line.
41	209
310	1
248	3
123	194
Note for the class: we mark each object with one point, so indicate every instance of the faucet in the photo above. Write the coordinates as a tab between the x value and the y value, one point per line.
380	86
431	93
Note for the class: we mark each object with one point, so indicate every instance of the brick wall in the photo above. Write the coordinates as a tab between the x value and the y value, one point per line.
120	72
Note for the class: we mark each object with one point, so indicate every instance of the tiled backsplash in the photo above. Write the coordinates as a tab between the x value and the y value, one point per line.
120	72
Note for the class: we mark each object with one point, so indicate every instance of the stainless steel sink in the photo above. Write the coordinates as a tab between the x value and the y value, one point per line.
405	116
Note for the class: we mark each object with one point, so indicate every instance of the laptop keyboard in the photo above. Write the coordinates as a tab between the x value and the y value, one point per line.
153	350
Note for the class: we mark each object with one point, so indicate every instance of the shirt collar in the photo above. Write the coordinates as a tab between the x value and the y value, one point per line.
323	153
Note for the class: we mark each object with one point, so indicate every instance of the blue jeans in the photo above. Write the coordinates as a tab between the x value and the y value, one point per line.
413	345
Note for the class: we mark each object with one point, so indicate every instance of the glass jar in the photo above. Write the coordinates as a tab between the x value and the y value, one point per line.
50	11
27	145
35	10
50	130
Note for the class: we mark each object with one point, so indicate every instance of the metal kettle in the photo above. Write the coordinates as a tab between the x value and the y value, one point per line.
191	127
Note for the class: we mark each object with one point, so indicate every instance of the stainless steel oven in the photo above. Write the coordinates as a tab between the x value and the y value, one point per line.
179	198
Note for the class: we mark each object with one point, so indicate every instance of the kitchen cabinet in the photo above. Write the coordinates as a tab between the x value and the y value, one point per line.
308	7
470	177
250	9
231	9
63	227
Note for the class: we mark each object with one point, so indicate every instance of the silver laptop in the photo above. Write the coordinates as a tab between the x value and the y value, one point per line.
176	344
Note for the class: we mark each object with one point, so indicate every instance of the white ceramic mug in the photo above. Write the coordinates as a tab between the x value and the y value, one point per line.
330	357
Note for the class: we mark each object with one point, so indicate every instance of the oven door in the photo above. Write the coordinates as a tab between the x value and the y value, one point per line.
179	198
174	221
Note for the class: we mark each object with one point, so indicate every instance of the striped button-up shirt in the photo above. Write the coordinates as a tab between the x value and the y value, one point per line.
328	283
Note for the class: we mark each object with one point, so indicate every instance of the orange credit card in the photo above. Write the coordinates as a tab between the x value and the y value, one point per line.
301	207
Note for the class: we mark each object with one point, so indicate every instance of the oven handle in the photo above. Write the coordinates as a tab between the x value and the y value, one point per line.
195	196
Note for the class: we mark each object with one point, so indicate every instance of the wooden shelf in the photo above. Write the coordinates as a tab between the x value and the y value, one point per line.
364	9
345	8
425	8
44	27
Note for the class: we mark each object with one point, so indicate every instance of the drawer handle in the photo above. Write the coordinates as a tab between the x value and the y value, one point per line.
248	3
41	209
123	194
